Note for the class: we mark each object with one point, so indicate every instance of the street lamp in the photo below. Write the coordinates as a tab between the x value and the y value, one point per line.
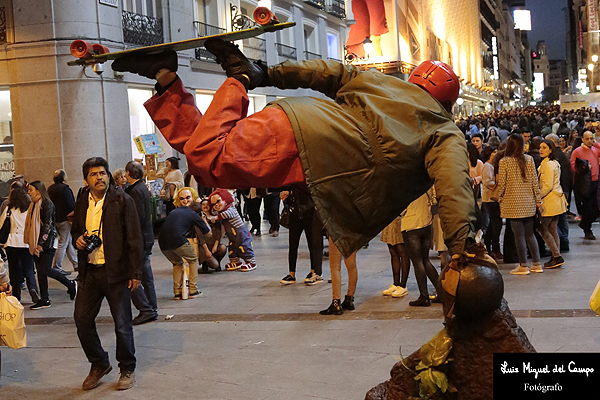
595	58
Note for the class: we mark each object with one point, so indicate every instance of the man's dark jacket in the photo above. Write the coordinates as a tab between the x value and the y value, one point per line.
122	236
62	197
141	196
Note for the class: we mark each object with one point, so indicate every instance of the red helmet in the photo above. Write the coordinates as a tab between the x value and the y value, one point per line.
438	79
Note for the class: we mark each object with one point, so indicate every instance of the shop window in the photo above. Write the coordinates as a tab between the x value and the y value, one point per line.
140	122
7	163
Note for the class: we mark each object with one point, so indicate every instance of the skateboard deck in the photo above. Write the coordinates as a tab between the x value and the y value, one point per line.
88	54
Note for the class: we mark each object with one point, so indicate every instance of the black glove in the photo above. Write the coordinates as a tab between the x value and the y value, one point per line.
146	64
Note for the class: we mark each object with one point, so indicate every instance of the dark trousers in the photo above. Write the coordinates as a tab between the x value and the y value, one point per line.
254	212
271	203
589	213
90	293
563	229
144	297
43	265
417	243
20	265
311	225
492	232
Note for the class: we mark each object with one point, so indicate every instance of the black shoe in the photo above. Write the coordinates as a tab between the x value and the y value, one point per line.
205	270
147	64
41	304
564	247
334	309
236	65
422	301
348	303
436	300
589	235
94	377
35	297
288	280
142	318
554	262
72	290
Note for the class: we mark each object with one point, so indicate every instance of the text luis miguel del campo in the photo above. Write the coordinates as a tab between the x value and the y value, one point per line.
546	375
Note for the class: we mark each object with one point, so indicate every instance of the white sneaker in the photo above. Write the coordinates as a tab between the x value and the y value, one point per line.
399	292
390	290
520	270
313	279
537	268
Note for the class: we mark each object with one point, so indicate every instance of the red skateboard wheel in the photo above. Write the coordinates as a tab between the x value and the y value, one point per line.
81	49
263	16
98	48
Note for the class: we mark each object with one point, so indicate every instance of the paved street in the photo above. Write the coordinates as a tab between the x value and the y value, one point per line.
248	337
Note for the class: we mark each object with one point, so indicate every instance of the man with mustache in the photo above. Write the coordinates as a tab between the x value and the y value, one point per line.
109	266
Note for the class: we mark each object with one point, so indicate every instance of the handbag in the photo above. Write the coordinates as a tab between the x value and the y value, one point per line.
12	323
166	193
5	229
284	219
537	220
595	299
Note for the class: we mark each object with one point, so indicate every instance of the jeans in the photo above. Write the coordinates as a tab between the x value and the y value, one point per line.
144	297
65	245
549	233
20	264
312	226
90	293
43	264
563	229
418	243
492	233
524	237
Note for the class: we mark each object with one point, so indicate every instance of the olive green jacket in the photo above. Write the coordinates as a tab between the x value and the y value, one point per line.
380	145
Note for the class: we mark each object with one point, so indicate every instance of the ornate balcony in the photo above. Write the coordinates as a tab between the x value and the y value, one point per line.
203	29
141	29
255	48
286	51
336	7
316	3
311	56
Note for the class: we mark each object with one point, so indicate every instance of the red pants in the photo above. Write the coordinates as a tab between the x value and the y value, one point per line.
370	20
225	148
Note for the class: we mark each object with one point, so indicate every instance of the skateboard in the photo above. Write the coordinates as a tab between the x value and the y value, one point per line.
91	54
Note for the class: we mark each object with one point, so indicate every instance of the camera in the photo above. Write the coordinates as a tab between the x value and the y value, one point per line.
92	242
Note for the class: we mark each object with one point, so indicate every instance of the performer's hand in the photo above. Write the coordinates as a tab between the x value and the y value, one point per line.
147	65
134	284
284	195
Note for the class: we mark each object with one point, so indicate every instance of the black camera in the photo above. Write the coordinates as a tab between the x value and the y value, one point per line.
92	242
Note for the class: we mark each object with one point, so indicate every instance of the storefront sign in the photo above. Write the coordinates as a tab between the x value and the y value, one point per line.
592	21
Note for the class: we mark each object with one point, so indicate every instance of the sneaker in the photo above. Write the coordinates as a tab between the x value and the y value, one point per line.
177	297
72	290
390	290
520	270
232	266
555	262
537	268
334	309
94	377
126	380
247	267
313	279
288	280
194	294
35	297
577	218
589	235
41	304
399	292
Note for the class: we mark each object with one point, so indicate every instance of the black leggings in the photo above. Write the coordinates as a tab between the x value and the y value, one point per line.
43	264
418	242
312	226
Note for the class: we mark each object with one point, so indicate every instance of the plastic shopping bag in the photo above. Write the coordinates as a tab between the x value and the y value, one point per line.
595	299
12	322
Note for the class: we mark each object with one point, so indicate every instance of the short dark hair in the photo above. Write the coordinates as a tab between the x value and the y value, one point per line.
479	135
92	163
135	169
174	162
59	176
18	198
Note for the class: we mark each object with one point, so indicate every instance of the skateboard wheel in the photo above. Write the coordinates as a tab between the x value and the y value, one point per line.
263	16
98	48
81	49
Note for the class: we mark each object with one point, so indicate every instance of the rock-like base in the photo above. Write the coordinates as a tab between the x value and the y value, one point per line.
471	370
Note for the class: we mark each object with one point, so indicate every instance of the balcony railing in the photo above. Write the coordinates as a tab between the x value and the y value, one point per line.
316	3
203	29
255	48
141	29
336	7
286	51
311	56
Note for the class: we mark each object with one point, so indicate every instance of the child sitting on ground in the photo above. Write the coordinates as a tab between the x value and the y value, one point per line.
241	255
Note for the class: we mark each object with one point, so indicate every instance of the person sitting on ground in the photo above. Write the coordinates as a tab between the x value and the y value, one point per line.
212	240
241	254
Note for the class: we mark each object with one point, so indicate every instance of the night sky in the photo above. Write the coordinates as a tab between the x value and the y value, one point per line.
548	22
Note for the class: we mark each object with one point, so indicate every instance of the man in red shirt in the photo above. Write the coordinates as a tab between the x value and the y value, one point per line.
590	151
